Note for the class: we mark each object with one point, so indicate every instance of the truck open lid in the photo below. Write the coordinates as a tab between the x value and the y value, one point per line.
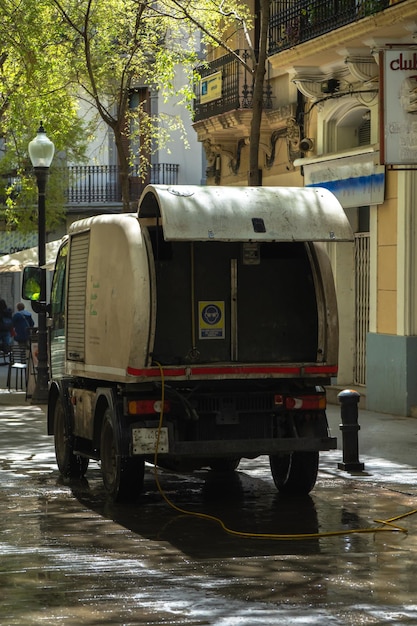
245	213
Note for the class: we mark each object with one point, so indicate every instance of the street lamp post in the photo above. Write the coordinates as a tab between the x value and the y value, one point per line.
41	153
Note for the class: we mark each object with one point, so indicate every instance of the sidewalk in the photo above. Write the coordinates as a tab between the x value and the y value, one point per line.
381	435
12	397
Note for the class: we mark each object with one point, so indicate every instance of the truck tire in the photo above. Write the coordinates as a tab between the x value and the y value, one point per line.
295	473
224	465
69	464
122	476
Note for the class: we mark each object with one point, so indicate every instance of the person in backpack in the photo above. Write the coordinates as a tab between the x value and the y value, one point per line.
6	325
22	322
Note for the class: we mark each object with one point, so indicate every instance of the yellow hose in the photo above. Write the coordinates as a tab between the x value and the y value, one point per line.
387	525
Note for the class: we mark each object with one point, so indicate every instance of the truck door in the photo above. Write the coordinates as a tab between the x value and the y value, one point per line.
277	308
255	303
193	301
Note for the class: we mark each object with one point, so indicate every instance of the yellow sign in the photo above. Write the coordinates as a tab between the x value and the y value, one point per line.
211	320
211	88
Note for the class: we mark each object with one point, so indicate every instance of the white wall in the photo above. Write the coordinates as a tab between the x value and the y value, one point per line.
187	153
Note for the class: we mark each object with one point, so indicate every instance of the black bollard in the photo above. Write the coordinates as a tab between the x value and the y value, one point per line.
349	400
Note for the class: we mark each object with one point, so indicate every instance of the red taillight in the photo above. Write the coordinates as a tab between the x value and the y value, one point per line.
147	407
309	403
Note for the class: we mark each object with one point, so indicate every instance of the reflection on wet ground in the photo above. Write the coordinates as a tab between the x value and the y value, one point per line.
69	556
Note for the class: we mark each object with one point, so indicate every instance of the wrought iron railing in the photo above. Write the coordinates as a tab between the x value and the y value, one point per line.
93	184
236	88
292	23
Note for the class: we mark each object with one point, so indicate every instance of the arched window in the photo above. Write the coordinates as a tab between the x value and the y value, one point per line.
348	128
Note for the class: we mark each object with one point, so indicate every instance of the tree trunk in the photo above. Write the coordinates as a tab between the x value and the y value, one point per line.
123	162
254	177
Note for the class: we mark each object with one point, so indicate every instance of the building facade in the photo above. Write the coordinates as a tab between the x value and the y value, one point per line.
339	112
95	188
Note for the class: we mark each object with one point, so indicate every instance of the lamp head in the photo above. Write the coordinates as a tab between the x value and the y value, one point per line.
41	149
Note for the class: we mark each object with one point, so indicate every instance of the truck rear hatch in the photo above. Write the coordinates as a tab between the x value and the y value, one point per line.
239	278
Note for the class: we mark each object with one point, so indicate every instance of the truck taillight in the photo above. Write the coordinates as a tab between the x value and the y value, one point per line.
146	407
306	402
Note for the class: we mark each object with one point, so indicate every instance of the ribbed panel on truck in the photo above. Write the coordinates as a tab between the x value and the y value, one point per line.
77	297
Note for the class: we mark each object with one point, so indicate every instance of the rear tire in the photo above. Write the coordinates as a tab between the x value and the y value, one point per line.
69	464
122	476
295	473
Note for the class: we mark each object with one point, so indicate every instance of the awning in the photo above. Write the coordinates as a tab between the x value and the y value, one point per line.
354	177
192	213
17	261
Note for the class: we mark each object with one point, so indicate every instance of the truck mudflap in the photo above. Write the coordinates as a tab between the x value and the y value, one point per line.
145	440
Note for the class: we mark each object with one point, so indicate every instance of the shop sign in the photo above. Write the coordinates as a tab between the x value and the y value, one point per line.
398	106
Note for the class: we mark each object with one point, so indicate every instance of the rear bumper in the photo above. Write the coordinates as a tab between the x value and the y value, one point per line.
247	448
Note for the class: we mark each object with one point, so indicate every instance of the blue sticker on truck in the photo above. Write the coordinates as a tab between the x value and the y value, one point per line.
211	320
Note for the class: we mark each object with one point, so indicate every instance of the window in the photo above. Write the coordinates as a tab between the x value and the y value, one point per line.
349	129
58	289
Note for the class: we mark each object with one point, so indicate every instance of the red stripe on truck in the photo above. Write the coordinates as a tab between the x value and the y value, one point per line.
329	370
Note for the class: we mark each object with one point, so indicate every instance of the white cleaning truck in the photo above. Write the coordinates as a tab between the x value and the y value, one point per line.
206	325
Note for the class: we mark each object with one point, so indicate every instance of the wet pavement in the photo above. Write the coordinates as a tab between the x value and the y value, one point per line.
69	556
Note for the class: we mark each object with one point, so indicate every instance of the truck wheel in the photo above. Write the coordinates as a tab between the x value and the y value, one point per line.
295	473
122	476
224	465
69	464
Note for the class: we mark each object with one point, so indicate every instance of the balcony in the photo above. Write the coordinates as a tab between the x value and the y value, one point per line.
235	87
99	184
292	23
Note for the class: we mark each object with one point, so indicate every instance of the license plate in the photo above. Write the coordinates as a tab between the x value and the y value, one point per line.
145	439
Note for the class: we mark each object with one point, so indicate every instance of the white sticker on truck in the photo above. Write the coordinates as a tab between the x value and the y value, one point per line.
145	440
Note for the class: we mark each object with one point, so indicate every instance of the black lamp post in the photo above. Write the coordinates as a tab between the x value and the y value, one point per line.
41	153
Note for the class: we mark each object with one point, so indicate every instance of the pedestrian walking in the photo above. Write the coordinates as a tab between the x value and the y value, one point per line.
22	323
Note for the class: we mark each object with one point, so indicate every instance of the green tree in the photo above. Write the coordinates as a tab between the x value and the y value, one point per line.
116	45
33	86
56	52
